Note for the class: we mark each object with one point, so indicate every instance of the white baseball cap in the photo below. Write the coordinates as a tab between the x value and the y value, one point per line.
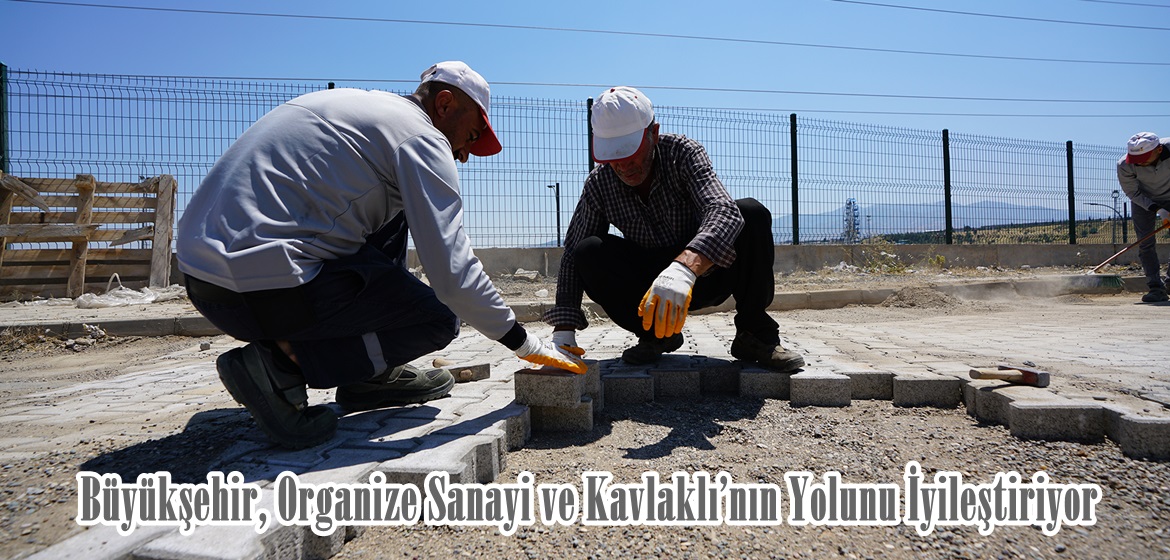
620	117
1141	146
459	74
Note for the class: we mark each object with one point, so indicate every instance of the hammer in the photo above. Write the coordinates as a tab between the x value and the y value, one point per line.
1013	374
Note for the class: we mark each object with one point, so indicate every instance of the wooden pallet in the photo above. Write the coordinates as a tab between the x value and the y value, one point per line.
95	219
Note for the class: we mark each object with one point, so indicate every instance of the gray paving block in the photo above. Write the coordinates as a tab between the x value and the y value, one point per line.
1056	420
234	542
549	386
455	455
759	383
102	543
874	385
936	391
593	386
718	377
564	419
628	387
993	399
1140	437
816	388
676	383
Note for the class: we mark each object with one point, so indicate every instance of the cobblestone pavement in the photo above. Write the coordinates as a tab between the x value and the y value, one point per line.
1102	348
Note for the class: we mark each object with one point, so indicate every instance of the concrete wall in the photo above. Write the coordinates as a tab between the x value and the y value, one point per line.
791	258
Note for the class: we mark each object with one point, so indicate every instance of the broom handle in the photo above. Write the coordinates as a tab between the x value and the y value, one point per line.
1131	246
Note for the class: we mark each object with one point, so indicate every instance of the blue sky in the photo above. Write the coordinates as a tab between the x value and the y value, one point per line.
83	39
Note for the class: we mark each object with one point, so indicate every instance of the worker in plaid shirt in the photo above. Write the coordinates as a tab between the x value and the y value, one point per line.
685	243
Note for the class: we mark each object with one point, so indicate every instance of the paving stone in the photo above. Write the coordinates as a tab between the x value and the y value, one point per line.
676	383
101	542
233	542
516	419
937	391
455	455
593	386
718	377
820	388
874	385
759	383
564	419
549	386
993	399
1140	437
628	387
1056	420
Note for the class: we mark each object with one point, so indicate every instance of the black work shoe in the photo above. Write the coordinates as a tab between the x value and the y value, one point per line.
1156	295
400	385
748	348
276	399
650	348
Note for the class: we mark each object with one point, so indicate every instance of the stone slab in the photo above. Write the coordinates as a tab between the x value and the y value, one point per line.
562	419
1056	420
628	387
817	388
922	390
758	383
870	385
549	386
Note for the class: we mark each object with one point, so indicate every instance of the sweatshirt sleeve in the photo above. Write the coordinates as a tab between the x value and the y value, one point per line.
429	185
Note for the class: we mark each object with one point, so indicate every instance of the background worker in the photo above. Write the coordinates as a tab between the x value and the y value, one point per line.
296	243
686	244
1144	174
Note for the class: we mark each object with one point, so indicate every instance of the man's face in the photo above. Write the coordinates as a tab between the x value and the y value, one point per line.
1153	158
634	170
460	120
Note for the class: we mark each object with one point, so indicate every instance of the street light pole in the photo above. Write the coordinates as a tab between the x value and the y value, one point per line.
557	194
1116	216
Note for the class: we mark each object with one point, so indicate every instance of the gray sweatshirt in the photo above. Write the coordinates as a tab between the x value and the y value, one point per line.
1147	185
312	178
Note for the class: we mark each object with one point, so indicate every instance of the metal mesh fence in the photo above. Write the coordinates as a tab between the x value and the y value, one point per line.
854	181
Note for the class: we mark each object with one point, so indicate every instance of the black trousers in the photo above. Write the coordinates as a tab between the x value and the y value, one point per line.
616	274
1145	221
360	315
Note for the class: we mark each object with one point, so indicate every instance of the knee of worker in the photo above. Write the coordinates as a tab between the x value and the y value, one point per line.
589	255
755	215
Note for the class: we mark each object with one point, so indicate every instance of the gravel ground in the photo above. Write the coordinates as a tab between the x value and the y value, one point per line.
761	440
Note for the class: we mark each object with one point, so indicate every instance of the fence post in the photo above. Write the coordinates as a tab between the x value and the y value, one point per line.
1072	198
3	118
949	225
557	195
795	202
589	125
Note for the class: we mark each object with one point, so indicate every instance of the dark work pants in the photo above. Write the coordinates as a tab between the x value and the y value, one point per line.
617	273
1145	221
362	314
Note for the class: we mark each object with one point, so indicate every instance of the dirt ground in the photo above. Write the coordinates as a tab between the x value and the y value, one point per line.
753	440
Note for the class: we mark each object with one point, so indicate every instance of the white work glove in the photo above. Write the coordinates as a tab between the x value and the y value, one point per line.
1163	216
666	302
567	341
543	352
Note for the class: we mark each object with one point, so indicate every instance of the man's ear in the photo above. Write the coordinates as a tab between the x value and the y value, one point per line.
445	103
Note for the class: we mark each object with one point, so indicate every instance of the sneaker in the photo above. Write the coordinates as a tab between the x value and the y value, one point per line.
276	399
399	385
650	348
748	348
1156	295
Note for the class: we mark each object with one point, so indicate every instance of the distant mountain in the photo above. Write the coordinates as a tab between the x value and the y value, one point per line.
880	219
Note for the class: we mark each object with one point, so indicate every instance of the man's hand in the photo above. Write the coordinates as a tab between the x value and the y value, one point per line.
567	340
543	352
666	302
1163	216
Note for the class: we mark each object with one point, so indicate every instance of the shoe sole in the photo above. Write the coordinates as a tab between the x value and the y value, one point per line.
353	403
246	390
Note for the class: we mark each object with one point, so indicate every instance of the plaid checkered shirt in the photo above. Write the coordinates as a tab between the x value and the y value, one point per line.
687	206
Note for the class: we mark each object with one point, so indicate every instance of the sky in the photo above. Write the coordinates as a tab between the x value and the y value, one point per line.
825	59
